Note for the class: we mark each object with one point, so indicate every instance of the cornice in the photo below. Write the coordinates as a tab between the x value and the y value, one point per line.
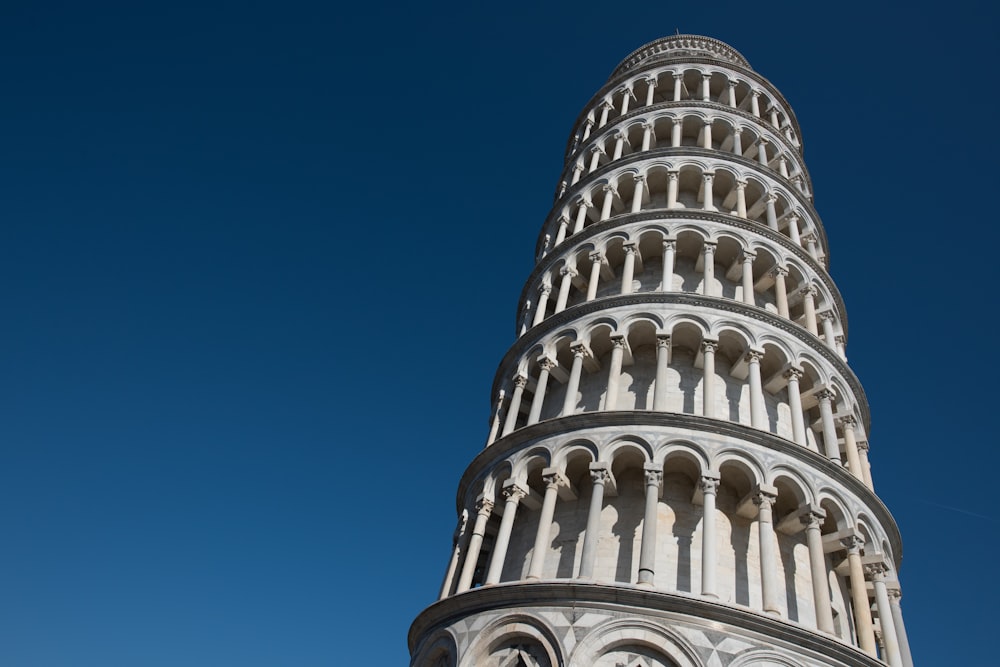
628	598
624	219
692	104
655	49
683	151
527	436
710	303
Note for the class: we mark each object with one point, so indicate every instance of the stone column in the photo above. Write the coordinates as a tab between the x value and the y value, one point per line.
780	290
851	446
783	166
619	145
748	293
568	273
774	118
866	466
614	371
573	384
512	493
662	361
793	229
678	78
672	177
732	94
809	308
758	412
830	445
761	151
893	656
596	261
741	199
755	103
772	215
588	128
543	300
650	91
795	406
581	215
669	252
709	553
817	565
708	202
647	136
706	135
897	619
605	110
764	499
577	173
706	88
595	158
609	199
738	141
553	480
859	596
495	421
456	555
841	347
640	187
628	270
484	509
563	227
675	132
515	404
647	552
708	348
826	317
545	365
600	475
709	269
626	95
811	247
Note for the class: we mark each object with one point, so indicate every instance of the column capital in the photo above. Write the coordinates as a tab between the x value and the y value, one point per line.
647	125
513	492
738	129
771	197
662	340
763	141
669	244
708	121
563	220
825	394
853	544
618	340
895	595
876	570
650	81
708	247
741	185
793	372
610	189
585	203
678	76
520	381
553	478
567	271
580	349
764	496
813	517
596	256
672	175
848	421
639	178
826	315
484	506
709	345
545	288
809	290
754	356
709	484
778	271
653	475
546	363
748	255
755	93
708	175
863	445
677	121
840	339
630	248
590	122
600	473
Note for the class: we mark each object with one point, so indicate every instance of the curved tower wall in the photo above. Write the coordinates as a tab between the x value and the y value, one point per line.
676	471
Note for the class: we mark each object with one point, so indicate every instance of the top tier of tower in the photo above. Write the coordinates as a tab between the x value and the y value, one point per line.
685	46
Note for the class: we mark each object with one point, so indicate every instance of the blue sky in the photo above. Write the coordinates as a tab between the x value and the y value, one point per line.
258	263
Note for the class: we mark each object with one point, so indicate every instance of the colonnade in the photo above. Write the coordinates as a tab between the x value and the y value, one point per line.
864	569
620	271
673	85
674	131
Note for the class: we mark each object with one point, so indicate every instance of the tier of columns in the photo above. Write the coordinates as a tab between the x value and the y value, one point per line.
829	425
599	267
808	518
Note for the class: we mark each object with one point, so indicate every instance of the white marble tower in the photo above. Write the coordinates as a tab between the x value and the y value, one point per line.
677	470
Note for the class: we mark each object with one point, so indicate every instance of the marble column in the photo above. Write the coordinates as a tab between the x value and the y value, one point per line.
650	91
755	103
609	199
678	79
580	352
859	596
495	421
762	151
596	262
795	406
672	178
831	446
628	270
738	141
809	308
892	653
553	480
647	136
780	290
772	215
826	317
563	227
669	253
647	552
512	493
847	425
581	215
764	499
614	371
708	270
675	132
706	88
758	411
515	404
866	466
600	476
793	229
748	292
619	146
709	539
660	388
708	202
568	273
484	509
543	299
897	619
732	94
706	135
640	189
741	199
544	365
708	348
813	520
456	555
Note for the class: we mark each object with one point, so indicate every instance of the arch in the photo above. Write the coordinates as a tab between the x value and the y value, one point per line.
439	650
508	629
625	632
764	658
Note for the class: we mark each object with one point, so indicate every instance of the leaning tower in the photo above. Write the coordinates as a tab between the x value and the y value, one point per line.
676	471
